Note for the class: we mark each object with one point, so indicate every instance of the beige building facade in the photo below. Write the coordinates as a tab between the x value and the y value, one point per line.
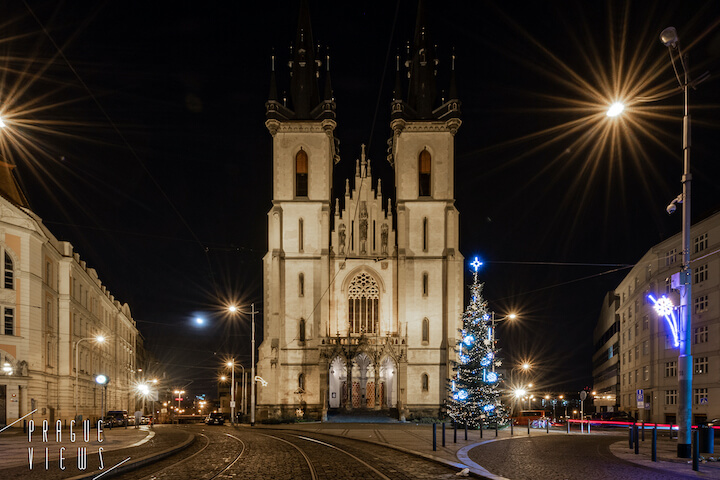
362	294
52	303
647	357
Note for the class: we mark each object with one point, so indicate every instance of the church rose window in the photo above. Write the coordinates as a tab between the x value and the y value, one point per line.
363	304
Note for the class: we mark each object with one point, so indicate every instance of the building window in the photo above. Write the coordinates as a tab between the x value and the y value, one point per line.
301	285
701	242
637	352
700	394
701	365
646	322
701	335
629	334
425	382
670	257
424	169
425	284
623	379
48	313
646	347
630	356
9	274
670	397
646	373
425	234
701	304
302	329
301	235
9	321
637	375
670	369
637	329
701	273
301	381
301	174
425	330
363	304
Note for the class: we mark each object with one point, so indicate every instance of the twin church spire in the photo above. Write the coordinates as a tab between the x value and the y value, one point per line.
307	66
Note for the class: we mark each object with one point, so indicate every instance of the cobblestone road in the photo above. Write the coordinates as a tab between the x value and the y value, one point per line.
278	454
560	457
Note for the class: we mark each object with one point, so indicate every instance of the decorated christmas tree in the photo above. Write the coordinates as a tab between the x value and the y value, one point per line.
474	388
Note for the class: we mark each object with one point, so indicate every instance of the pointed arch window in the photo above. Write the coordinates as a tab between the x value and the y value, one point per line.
425	234
301	285
363	304
424	169
425	330
301	174
425	285
425	382
301	381
9	273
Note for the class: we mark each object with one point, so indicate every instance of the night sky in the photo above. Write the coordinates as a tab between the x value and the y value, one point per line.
140	138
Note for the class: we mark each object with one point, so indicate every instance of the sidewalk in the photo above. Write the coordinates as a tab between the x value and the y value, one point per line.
417	439
667	457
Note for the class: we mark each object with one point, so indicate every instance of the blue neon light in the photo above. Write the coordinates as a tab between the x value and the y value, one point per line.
664	306
476	264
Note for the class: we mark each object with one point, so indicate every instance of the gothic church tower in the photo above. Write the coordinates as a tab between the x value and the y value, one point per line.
362	300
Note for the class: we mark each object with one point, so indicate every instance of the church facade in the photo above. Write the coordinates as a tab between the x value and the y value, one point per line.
362	294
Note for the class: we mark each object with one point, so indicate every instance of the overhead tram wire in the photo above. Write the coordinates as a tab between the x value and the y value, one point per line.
127	144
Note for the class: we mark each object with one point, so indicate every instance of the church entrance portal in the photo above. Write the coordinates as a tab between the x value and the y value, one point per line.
373	386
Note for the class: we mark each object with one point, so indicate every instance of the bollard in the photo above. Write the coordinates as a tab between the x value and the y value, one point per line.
466	430
630	439
696	450
511	427
434	437
654	444
528	426
443	426
496	428
567	424
635	438
481	429
454	432
642	430
588	426
547	426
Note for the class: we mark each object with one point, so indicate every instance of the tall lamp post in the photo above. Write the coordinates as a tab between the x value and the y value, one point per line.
493	322
669	38
98	339
234	309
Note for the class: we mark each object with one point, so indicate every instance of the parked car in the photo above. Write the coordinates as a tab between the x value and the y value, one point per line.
116	418
215	419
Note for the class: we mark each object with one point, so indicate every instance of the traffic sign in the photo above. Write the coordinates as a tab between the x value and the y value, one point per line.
704	401
640	397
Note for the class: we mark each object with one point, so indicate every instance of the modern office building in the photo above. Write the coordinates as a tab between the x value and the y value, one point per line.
647	377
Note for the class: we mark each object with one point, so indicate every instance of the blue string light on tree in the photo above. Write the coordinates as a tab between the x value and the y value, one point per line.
474	395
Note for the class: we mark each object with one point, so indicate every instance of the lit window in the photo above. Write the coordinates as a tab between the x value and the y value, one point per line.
363	304
425	168
301	174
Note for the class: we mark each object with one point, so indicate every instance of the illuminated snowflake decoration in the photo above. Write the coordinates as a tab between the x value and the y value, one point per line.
468	340
489	408
664	307
491	377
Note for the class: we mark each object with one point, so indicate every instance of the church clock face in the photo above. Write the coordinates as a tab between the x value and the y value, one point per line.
363	293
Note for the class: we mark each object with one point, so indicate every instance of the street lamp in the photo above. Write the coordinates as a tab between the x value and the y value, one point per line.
102	380
231	364
493	320
98	339
234	309
669	38
179	394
